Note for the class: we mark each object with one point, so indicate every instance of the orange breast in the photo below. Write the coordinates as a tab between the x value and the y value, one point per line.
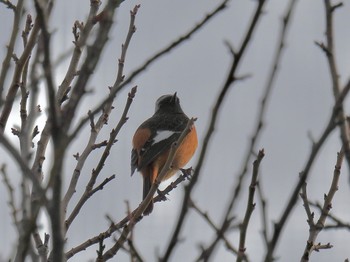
182	156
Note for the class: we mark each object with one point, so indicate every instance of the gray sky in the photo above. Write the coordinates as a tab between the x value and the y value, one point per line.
301	102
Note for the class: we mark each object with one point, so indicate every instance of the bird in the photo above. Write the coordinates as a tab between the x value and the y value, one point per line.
153	139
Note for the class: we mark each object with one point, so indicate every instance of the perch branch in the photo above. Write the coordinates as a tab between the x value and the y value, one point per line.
121	224
126	230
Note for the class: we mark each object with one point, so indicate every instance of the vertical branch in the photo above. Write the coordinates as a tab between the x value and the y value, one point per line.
250	206
54	113
58	136
230	79
18	9
80	42
92	57
11	201
24	138
329	50
11	94
95	128
264	217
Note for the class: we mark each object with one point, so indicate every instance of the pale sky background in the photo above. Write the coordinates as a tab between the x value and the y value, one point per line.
301	102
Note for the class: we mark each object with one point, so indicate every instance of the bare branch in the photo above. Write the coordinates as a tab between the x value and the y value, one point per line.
219	232
89	191
80	42
338	223
344	127
92	57
304	197
10	97
332	123
186	174
42	247
9	5
25	169
228	82
11	45
10	190
315	229
250	206
96	127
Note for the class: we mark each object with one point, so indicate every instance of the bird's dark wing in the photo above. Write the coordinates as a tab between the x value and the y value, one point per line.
134	158
157	145
159	132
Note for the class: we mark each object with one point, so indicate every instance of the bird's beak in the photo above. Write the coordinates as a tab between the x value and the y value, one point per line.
173	99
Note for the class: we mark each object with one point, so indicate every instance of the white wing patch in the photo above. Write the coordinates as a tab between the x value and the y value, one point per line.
162	135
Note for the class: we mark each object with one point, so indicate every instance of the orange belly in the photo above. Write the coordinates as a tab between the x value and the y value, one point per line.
182	156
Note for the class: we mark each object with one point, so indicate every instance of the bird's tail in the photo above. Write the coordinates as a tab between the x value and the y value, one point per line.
147	183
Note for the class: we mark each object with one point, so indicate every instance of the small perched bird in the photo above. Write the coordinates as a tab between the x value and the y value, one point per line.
153	139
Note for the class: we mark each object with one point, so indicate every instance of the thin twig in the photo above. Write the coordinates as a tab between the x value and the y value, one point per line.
10	47
93	54
42	247
96	127
330	54
9	5
21	62
25	169
338	223
250	206
161	196
221	234
78	49
310	215
95	172
315	229
264	217
10	190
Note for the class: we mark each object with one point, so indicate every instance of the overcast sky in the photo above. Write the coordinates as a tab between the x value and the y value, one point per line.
300	104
